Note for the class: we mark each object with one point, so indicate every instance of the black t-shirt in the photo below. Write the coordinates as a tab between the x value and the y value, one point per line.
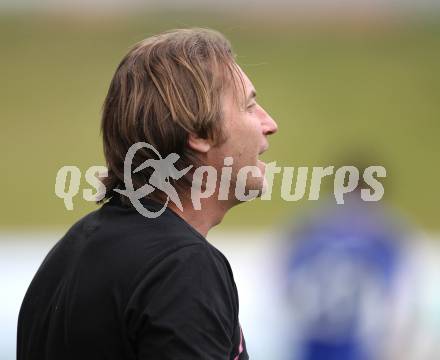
122	286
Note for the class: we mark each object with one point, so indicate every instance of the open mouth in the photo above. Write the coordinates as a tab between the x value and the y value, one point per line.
260	162
264	149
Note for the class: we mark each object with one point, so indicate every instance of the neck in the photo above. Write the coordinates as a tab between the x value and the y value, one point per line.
211	213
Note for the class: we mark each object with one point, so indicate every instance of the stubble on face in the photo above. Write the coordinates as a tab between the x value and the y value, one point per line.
245	139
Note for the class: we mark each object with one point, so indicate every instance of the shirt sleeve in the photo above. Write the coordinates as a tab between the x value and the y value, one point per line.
184	308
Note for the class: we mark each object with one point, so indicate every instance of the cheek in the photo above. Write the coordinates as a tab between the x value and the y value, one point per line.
254	136
244	136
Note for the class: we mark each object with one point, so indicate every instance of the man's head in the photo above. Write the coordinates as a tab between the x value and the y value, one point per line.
182	92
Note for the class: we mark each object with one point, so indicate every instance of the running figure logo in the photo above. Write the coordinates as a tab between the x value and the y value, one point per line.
164	170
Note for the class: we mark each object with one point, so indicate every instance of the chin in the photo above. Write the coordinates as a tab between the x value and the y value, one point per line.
255	183
263	187
259	184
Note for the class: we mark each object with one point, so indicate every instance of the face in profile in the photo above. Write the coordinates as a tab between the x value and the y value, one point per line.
246	126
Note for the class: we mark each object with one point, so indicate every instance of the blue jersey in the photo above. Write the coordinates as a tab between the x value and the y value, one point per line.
340	270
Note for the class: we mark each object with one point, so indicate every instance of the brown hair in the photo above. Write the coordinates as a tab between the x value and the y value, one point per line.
167	86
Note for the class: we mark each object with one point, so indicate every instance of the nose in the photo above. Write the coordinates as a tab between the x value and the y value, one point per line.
268	124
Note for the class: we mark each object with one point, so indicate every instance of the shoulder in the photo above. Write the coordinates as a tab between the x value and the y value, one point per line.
191	272
199	264
191	285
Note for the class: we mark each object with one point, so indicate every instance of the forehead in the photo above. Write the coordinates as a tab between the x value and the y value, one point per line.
240	90
249	87
235	97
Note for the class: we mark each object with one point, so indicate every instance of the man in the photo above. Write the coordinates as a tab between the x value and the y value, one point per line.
120	285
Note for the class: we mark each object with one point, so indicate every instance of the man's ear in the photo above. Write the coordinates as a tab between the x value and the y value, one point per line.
198	144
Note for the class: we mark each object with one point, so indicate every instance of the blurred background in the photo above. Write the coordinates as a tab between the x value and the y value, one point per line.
348	82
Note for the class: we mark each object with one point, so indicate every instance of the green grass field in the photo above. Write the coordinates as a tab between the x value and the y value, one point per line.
334	91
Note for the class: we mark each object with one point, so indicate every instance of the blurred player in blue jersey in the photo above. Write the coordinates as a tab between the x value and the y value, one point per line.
341	270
